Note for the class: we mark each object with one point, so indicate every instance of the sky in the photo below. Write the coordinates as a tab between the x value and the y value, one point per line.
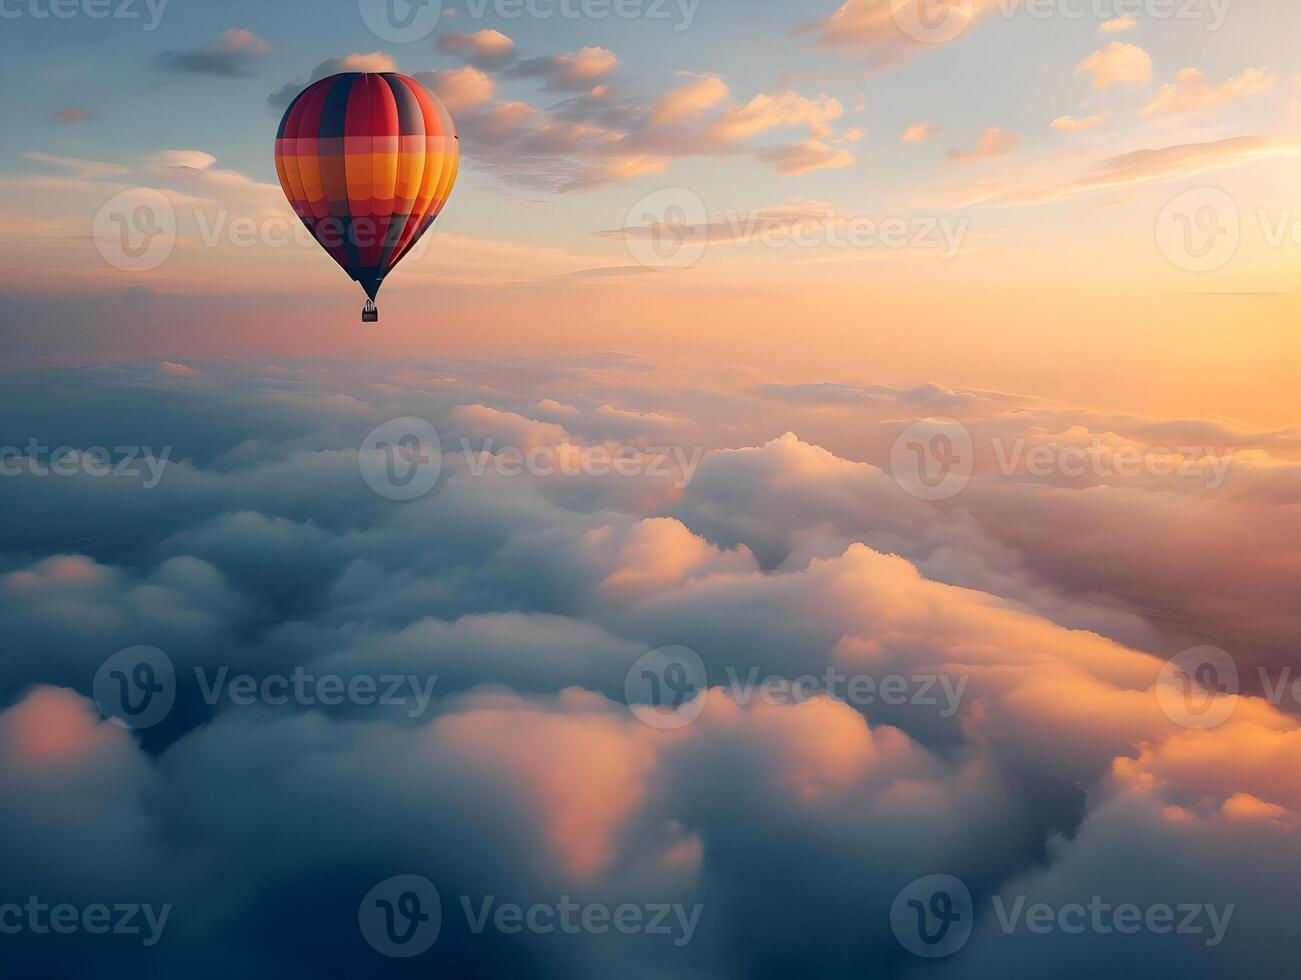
1032	170
823	500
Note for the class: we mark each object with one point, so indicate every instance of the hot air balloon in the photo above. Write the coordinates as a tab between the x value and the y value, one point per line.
367	160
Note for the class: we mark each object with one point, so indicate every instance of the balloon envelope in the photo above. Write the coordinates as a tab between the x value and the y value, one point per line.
367	160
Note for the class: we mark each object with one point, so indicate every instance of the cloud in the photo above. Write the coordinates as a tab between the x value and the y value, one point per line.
805	157
74	115
881	27
376	61
689	102
531	598
916	133
483	49
571	72
1144	165
770	224
1069	124
1117	64
1118	25
1191	93
459	88
237	53
596	137
765	112
993	142
82	168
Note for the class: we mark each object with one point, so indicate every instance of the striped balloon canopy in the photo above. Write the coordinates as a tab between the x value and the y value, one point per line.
367	160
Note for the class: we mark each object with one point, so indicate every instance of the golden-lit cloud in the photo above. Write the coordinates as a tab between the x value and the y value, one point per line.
1117	64
916	133
460	88
689	102
484	49
805	157
1145	165
572	71
82	168
993	142
1118	25
1190	92
892	29
765	112
1070	124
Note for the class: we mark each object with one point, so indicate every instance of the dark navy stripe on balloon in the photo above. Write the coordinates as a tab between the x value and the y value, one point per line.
411	121
334	117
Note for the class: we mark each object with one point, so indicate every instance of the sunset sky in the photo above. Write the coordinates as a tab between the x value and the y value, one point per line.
1050	145
948	343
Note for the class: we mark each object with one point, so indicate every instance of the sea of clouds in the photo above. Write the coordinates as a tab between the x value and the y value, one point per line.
772	539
